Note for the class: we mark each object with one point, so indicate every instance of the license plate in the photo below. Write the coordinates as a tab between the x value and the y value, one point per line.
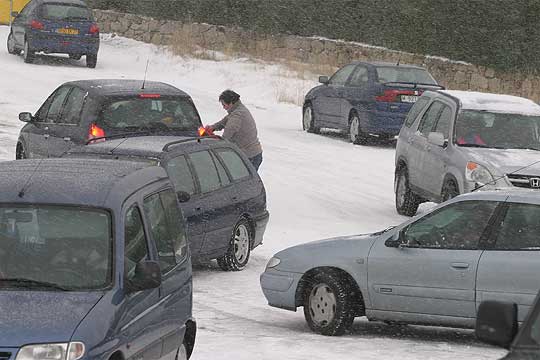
409	98
67	31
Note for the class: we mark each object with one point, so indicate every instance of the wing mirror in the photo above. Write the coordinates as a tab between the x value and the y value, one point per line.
395	241
323	80
25	117
183	196
147	276
496	323
437	138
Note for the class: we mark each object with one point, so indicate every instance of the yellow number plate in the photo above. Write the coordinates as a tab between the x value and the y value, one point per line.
68	31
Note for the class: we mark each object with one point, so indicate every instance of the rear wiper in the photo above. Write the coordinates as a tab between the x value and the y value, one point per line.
29	283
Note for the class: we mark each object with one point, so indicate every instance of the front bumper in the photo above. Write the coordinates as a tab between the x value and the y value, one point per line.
279	288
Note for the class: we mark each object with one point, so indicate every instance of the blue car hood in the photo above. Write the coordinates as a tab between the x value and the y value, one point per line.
29	317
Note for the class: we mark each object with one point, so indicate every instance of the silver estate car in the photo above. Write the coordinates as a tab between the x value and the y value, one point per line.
434	269
455	141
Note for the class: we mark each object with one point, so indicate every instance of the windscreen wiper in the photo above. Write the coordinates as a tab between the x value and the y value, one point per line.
29	283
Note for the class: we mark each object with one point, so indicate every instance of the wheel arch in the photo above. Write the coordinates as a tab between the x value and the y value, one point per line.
117	355
189	337
450	178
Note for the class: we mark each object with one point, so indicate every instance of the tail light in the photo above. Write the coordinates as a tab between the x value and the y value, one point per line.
94	29
393	95
95	132
37	25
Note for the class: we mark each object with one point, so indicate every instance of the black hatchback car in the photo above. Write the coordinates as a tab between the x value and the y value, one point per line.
55	26
79	111
366	99
222	196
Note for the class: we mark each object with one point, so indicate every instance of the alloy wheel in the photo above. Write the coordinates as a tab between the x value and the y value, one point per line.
353	129
241	243
308	118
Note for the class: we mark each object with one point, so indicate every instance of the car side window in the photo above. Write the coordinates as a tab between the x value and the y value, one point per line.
443	124
234	163
177	228
206	171
135	243
57	103
341	76
429	118
73	107
180	174
519	228
415	110
456	226
221	171
359	77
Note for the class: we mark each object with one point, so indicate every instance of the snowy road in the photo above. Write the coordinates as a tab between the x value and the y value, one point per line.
318	186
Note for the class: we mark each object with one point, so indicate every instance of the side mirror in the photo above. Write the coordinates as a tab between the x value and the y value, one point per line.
147	276
323	79
436	138
25	117
496	323
394	241
14	14
183	196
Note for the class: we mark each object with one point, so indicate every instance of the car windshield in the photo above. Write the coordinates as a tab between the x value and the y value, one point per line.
161	113
404	74
55	247
497	130
64	12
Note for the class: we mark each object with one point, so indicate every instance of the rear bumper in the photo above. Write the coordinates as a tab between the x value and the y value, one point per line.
260	223
385	123
53	43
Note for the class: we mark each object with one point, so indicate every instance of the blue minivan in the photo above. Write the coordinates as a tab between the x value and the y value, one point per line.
94	262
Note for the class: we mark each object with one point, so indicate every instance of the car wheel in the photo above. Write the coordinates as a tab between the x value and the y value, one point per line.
449	191
182	353
75	56
237	255
20	153
12	49
328	304
28	54
91	60
308	120
406	201
356	135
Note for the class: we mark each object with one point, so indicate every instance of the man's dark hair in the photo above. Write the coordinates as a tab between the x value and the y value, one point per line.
229	97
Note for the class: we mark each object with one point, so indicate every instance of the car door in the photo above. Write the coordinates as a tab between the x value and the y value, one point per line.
508	270
167	230
64	130
355	94
19	23
434	272
140	319
327	104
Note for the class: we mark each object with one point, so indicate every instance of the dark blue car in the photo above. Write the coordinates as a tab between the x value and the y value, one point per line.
55	26
94	262
366	99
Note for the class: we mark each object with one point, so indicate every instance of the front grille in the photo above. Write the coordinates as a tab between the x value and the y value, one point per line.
525	181
5	355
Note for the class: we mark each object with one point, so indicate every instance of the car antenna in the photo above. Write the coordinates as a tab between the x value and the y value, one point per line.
26	184
145	71
510	173
398	60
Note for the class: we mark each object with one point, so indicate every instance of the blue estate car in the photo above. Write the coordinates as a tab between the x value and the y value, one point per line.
365	99
55	26
94	262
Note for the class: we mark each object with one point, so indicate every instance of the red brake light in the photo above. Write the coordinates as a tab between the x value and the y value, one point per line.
37	25
95	132
94	29
149	96
393	94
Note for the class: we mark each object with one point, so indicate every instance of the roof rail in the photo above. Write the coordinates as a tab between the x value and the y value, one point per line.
194	138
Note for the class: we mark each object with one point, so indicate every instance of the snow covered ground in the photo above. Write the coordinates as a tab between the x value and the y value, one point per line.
318	186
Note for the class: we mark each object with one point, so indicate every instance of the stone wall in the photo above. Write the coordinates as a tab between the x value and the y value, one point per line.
452	74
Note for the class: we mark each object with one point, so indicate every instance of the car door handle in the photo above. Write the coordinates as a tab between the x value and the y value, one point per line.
67	138
460	265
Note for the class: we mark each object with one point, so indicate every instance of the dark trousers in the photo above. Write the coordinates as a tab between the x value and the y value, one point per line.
256	161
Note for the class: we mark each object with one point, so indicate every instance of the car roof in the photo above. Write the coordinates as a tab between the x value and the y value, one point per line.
147	146
388	64
473	100
85	182
119	87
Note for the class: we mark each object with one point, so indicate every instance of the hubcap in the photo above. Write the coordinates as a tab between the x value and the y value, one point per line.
353	131
307	118
11	44
322	304
26	49
241	243
401	190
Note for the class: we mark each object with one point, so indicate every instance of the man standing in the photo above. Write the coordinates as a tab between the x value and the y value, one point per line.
239	127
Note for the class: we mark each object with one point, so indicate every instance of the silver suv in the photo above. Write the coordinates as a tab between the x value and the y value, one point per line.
453	142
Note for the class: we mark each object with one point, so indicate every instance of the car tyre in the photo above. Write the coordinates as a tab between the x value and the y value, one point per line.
91	60
28	54
356	135
11	48
406	200
328	304
237	255
20	153
308	120
449	190
181	354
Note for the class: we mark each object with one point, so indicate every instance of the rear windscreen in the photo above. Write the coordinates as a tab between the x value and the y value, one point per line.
136	113
403	74
64	12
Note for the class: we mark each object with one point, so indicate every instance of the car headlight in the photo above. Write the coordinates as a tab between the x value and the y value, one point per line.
273	262
63	351
478	173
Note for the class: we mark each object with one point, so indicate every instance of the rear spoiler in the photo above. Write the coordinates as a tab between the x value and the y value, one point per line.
414	85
